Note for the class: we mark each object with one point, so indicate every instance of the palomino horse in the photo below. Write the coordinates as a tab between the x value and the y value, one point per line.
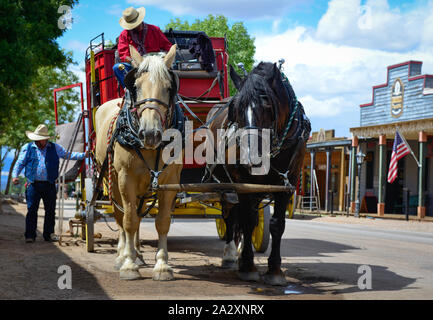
263	101
131	176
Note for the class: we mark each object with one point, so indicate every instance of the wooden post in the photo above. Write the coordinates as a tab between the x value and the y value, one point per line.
421	173
342	176
328	178
353	175
382	166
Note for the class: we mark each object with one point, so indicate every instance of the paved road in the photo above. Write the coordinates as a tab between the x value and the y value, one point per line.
326	257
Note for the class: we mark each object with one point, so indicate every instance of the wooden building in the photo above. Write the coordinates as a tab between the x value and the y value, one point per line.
404	102
327	161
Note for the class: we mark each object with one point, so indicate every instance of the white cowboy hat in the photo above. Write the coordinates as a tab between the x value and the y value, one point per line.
41	133
131	18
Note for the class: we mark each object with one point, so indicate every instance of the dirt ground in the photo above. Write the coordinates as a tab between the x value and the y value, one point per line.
30	271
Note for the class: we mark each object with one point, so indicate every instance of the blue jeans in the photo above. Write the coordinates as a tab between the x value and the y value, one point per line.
34	193
121	72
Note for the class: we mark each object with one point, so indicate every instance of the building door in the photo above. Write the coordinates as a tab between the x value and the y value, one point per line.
394	191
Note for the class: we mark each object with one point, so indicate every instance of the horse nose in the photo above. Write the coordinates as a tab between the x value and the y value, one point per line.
153	138
141	134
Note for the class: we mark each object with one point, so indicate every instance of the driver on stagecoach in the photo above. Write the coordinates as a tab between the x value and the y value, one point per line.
144	37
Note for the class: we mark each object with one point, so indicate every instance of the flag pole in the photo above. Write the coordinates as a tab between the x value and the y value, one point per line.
419	166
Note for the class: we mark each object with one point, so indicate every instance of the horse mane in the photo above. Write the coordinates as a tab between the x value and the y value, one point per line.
158	71
265	80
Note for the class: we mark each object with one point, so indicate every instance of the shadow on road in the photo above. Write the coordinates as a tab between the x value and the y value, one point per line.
311	248
30	270
304	278
346	275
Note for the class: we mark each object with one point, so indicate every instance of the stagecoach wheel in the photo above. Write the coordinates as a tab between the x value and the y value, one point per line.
221	228
291	206
261	234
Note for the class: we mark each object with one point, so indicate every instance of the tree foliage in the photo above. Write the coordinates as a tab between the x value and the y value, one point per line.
37	106
241	46
29	30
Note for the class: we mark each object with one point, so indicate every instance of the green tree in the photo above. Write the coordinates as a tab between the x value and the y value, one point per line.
28	30
241	46
37	107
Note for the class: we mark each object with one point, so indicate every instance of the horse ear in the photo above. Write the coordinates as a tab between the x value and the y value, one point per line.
136	57
237	80
169	58
230	114
275	71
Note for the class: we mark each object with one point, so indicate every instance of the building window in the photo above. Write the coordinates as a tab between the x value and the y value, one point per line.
370	170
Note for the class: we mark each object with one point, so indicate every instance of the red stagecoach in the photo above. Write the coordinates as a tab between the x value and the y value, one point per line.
199	90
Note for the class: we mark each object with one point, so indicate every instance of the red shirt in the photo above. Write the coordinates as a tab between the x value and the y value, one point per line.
155	41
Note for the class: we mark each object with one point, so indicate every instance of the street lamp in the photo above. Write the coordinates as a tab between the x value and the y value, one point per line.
359	160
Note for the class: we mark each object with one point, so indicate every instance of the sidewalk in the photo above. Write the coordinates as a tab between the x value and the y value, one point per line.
364	215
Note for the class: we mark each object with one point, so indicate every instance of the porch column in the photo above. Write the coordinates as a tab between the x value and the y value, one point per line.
421	172
312	165
328	178
382	168
342	176
353	175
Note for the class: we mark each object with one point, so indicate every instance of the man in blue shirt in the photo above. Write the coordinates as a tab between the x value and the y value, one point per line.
40	159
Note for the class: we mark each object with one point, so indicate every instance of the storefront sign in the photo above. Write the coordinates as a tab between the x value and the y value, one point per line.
397	94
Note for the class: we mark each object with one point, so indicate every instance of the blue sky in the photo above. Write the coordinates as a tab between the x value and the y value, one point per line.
335	50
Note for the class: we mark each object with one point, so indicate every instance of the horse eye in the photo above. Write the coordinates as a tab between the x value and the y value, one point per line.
266	104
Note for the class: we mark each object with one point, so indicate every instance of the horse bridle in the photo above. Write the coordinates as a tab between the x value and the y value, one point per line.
136	105
278	140
140	110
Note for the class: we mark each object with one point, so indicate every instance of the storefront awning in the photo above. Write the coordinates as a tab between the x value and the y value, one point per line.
410	129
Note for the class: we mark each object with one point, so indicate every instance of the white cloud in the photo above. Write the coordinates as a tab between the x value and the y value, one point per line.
244	9
79	71
76	45
276	24
332	78
115	9
376	25
322	108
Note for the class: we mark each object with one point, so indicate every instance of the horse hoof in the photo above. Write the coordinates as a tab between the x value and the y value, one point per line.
249	276
228	264
275	279
140	262
163	276
118	264
129	275
162	272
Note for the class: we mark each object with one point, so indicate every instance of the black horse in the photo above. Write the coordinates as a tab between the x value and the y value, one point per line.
265	100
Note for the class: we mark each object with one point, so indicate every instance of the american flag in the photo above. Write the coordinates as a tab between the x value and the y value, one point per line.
399	150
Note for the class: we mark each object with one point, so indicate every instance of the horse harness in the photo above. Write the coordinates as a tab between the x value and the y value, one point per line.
302	132
127	135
